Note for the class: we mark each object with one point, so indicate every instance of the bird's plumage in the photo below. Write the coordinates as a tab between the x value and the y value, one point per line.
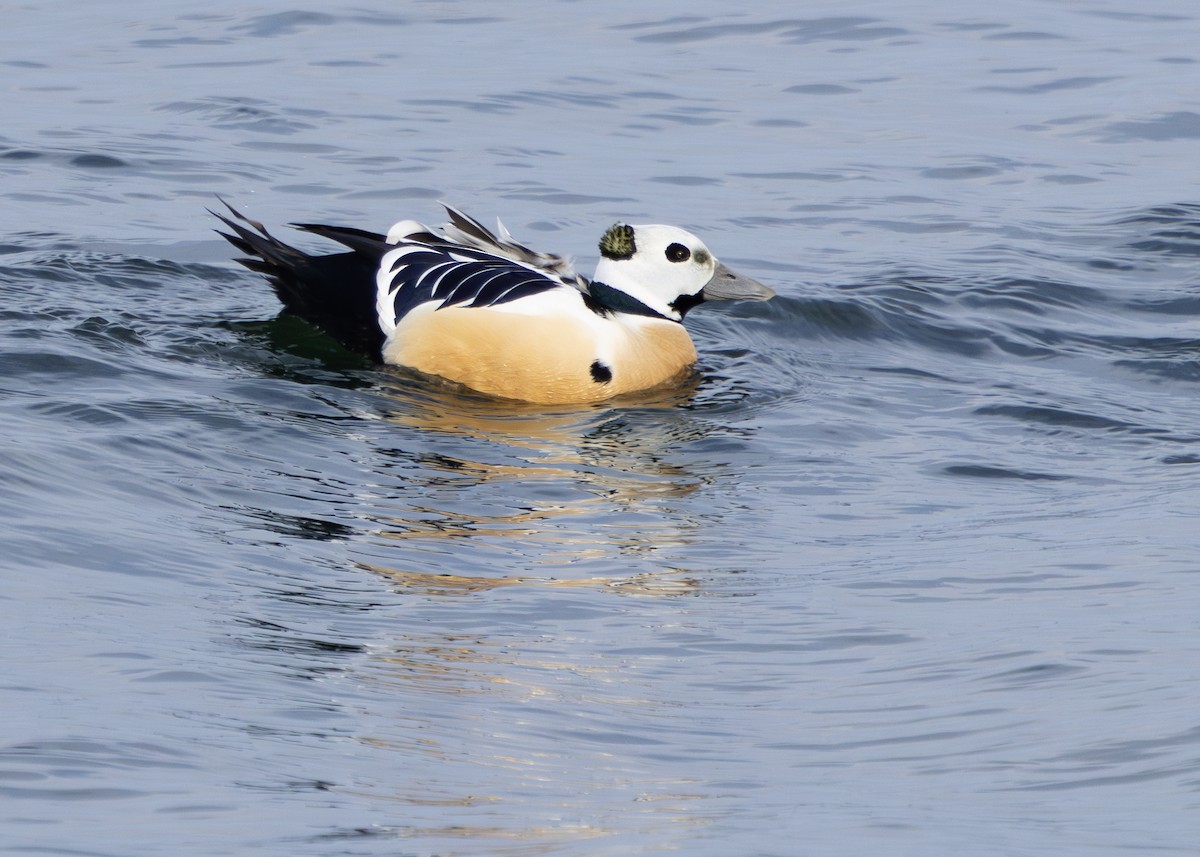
479	308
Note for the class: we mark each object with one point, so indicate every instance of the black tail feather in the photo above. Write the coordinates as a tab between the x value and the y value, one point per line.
371	243
334	292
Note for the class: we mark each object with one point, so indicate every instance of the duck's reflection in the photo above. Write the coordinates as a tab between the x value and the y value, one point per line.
670	582
498	734
529	721
481	493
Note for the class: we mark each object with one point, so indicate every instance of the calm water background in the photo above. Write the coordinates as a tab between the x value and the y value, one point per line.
912	570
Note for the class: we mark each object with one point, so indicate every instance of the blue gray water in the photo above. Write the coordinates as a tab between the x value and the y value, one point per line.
912	569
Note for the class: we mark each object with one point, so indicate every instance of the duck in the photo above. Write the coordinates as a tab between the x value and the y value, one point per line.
479	309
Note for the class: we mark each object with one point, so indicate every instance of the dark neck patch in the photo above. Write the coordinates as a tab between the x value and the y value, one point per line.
617	243
605	300
683	303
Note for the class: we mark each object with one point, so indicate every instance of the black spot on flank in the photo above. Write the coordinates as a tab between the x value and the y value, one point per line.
601	374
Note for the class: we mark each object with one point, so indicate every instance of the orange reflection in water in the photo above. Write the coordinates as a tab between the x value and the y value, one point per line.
497	484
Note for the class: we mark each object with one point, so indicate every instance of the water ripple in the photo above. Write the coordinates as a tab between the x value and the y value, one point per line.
925	518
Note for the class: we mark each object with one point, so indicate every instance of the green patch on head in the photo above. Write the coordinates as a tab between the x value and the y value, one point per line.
617	242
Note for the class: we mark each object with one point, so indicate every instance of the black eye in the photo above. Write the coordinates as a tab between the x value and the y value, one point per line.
678	253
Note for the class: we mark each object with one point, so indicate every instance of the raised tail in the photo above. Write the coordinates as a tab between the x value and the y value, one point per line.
334	292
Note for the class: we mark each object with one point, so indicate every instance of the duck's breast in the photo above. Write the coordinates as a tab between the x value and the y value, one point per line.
543	356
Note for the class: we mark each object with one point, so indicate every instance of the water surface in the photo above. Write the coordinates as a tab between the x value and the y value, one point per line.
910	569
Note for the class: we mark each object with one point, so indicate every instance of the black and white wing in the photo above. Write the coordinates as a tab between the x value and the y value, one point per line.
465	231
412	274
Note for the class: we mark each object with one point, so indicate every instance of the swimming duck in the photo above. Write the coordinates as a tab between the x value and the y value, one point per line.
478	308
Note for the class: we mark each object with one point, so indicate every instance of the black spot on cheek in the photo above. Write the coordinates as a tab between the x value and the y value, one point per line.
601	374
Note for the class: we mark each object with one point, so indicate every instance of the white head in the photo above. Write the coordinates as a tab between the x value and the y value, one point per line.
668	269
